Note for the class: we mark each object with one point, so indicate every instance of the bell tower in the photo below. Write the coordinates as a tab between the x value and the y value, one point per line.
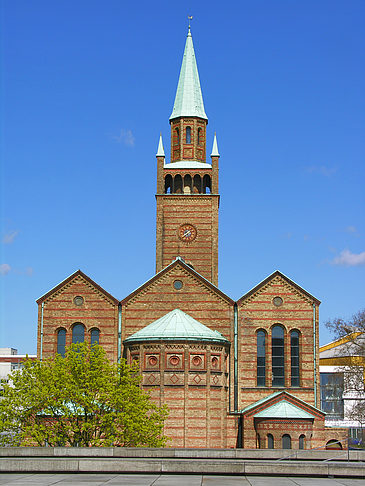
187	187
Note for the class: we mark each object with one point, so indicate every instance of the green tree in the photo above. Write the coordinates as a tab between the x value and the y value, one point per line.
79	400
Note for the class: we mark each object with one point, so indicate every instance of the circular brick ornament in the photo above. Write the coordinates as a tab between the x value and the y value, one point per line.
174	360
152	361
215	362
197	361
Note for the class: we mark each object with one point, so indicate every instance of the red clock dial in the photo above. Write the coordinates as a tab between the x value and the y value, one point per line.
187	232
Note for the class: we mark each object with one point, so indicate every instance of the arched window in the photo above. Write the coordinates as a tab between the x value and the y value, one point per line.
177	136
188	134
286	441
197	184
277	343
168	184
261	359
301	441
78	333
178	184
206	184
199	136
294	354
258	439
187	184
270	441
333	444
61	342
94	336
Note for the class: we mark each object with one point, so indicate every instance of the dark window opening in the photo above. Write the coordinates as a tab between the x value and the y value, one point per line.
61	342
294	355
301	441
206	184
95	336
188	134
197	184
168	184
278	367
261	359
286	441
78	333
270	441
178	184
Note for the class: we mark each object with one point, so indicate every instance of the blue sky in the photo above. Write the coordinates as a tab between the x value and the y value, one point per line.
87	87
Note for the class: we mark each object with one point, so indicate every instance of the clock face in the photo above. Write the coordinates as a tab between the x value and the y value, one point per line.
187	232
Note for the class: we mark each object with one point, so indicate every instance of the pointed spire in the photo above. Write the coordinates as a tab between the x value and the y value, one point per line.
160	150
215	152
188	99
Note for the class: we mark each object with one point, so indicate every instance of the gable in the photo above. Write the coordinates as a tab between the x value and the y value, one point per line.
76	283
280	284
280	404
197	297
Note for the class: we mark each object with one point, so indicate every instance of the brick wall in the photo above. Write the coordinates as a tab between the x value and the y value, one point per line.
60	311
201	211
258	311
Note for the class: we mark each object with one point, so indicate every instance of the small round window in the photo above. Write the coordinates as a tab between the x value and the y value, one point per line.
178	285
78	300
278	301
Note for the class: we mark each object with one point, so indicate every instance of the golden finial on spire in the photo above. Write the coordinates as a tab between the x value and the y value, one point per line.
190	17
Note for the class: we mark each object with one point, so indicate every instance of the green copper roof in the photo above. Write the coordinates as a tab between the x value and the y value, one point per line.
189	99
176	326
284	409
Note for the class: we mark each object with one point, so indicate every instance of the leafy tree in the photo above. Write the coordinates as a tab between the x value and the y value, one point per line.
351	354
79	400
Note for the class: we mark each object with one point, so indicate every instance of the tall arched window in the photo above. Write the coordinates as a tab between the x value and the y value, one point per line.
270	441
61	342
294	355
78	333
301	441
94	336
286	441
261	359
177	136
277	343
188	134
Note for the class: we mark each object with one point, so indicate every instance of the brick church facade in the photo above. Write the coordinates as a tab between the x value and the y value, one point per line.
233	373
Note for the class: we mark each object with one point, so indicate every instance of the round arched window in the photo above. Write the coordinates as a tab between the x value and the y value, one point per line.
78	333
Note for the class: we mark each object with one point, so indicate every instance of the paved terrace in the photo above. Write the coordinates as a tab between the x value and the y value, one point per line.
167	480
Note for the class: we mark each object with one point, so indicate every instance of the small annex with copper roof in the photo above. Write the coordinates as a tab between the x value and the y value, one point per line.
281	420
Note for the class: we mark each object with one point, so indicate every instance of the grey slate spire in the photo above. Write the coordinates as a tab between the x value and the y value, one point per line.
189	99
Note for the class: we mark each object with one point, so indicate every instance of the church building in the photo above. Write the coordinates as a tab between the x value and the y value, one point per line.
239	373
